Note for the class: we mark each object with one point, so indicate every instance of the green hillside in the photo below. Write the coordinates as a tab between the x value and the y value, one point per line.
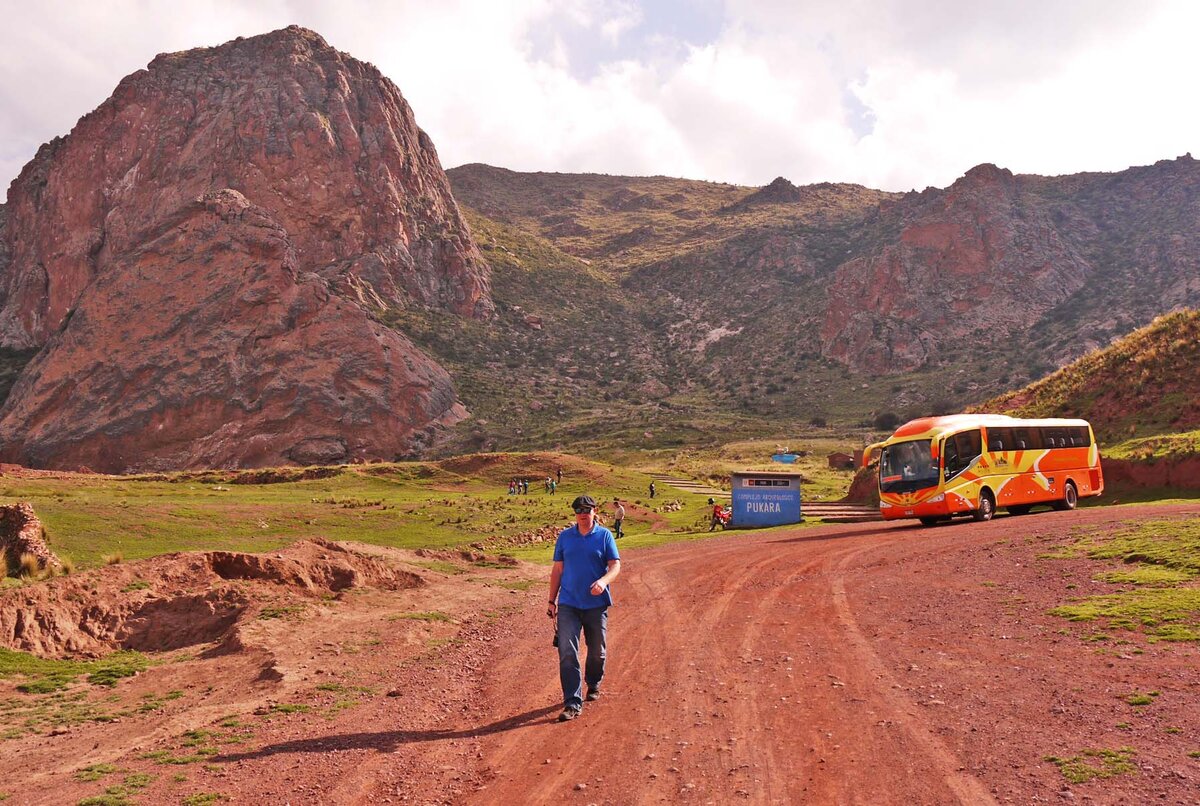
621	222
1144	386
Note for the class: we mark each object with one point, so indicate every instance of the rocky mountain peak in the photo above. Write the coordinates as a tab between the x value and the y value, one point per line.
302	176
320	139
987	173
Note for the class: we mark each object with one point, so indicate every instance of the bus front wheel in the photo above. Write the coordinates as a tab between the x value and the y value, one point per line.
1070	498
987	507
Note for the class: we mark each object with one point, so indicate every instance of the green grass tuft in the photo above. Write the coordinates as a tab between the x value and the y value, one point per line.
203	798
45	675
291	611
1141	699
432	615
1092	763
94	772
116	797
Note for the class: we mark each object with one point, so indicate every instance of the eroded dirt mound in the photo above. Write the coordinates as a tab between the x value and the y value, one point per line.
178	600
864	489
467	556
1169	472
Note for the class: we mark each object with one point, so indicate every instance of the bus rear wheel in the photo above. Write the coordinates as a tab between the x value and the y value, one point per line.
1070	498
987	507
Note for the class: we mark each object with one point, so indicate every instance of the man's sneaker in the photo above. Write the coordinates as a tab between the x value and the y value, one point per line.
568	714
593	694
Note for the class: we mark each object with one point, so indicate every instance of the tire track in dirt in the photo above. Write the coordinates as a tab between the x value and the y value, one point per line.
741	671
656	622
966	788
845	737
730	679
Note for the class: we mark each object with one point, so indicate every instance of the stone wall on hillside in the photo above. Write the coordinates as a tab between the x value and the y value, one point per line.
21	532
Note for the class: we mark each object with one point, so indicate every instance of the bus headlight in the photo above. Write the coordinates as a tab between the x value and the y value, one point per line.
937	499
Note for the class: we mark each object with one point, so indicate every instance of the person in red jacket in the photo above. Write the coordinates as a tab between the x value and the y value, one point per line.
718	515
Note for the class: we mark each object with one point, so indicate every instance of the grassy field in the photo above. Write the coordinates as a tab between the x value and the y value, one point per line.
448	504
1152	566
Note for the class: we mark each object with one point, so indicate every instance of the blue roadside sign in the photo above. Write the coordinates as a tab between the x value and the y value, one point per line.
765	499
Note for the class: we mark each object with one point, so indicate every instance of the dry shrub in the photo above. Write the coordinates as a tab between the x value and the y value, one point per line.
28	566
66	566
113	559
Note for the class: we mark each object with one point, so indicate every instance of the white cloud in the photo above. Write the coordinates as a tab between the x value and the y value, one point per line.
621	18
893	95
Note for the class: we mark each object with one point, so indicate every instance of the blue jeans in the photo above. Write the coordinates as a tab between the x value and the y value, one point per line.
594	623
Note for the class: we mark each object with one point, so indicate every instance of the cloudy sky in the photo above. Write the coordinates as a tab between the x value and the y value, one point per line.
894	95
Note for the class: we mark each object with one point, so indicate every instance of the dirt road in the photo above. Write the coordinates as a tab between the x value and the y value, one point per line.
861	663
846	664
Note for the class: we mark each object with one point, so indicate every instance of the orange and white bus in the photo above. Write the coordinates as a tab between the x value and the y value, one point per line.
936	468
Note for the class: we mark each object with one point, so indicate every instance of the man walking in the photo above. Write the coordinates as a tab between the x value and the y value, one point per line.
618	518
651	489
585	564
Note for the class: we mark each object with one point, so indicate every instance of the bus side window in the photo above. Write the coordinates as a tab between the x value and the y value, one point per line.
994	441
950	457
1054	437
1027	439
1001	439
964	448
973	443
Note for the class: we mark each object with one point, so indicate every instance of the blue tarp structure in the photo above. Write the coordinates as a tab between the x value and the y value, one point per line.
784	458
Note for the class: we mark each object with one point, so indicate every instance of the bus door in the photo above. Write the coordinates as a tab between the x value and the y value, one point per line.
960	458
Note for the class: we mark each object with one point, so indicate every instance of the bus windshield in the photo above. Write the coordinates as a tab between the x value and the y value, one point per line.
907	466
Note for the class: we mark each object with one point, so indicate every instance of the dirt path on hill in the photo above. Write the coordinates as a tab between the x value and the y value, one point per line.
859	663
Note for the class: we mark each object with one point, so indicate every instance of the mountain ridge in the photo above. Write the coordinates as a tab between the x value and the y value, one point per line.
926	300
373	290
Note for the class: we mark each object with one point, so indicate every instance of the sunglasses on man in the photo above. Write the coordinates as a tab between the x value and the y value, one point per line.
582	510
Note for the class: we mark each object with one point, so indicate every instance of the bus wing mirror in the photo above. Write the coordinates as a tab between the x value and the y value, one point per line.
869	452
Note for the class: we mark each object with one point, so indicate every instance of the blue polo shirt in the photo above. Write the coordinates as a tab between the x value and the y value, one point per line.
585	559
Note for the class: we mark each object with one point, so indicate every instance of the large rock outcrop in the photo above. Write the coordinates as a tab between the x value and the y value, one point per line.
206	346
978	260
198	258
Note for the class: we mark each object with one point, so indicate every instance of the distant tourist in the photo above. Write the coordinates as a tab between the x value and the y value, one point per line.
618	517
559	475
553	487
651	489
512	486
586	562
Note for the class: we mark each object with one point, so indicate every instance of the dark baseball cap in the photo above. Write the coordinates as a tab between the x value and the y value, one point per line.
583	502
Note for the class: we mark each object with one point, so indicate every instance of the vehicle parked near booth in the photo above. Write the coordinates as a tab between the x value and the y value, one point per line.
936	468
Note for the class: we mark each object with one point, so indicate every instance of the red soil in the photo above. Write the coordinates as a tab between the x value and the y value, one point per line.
858	663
